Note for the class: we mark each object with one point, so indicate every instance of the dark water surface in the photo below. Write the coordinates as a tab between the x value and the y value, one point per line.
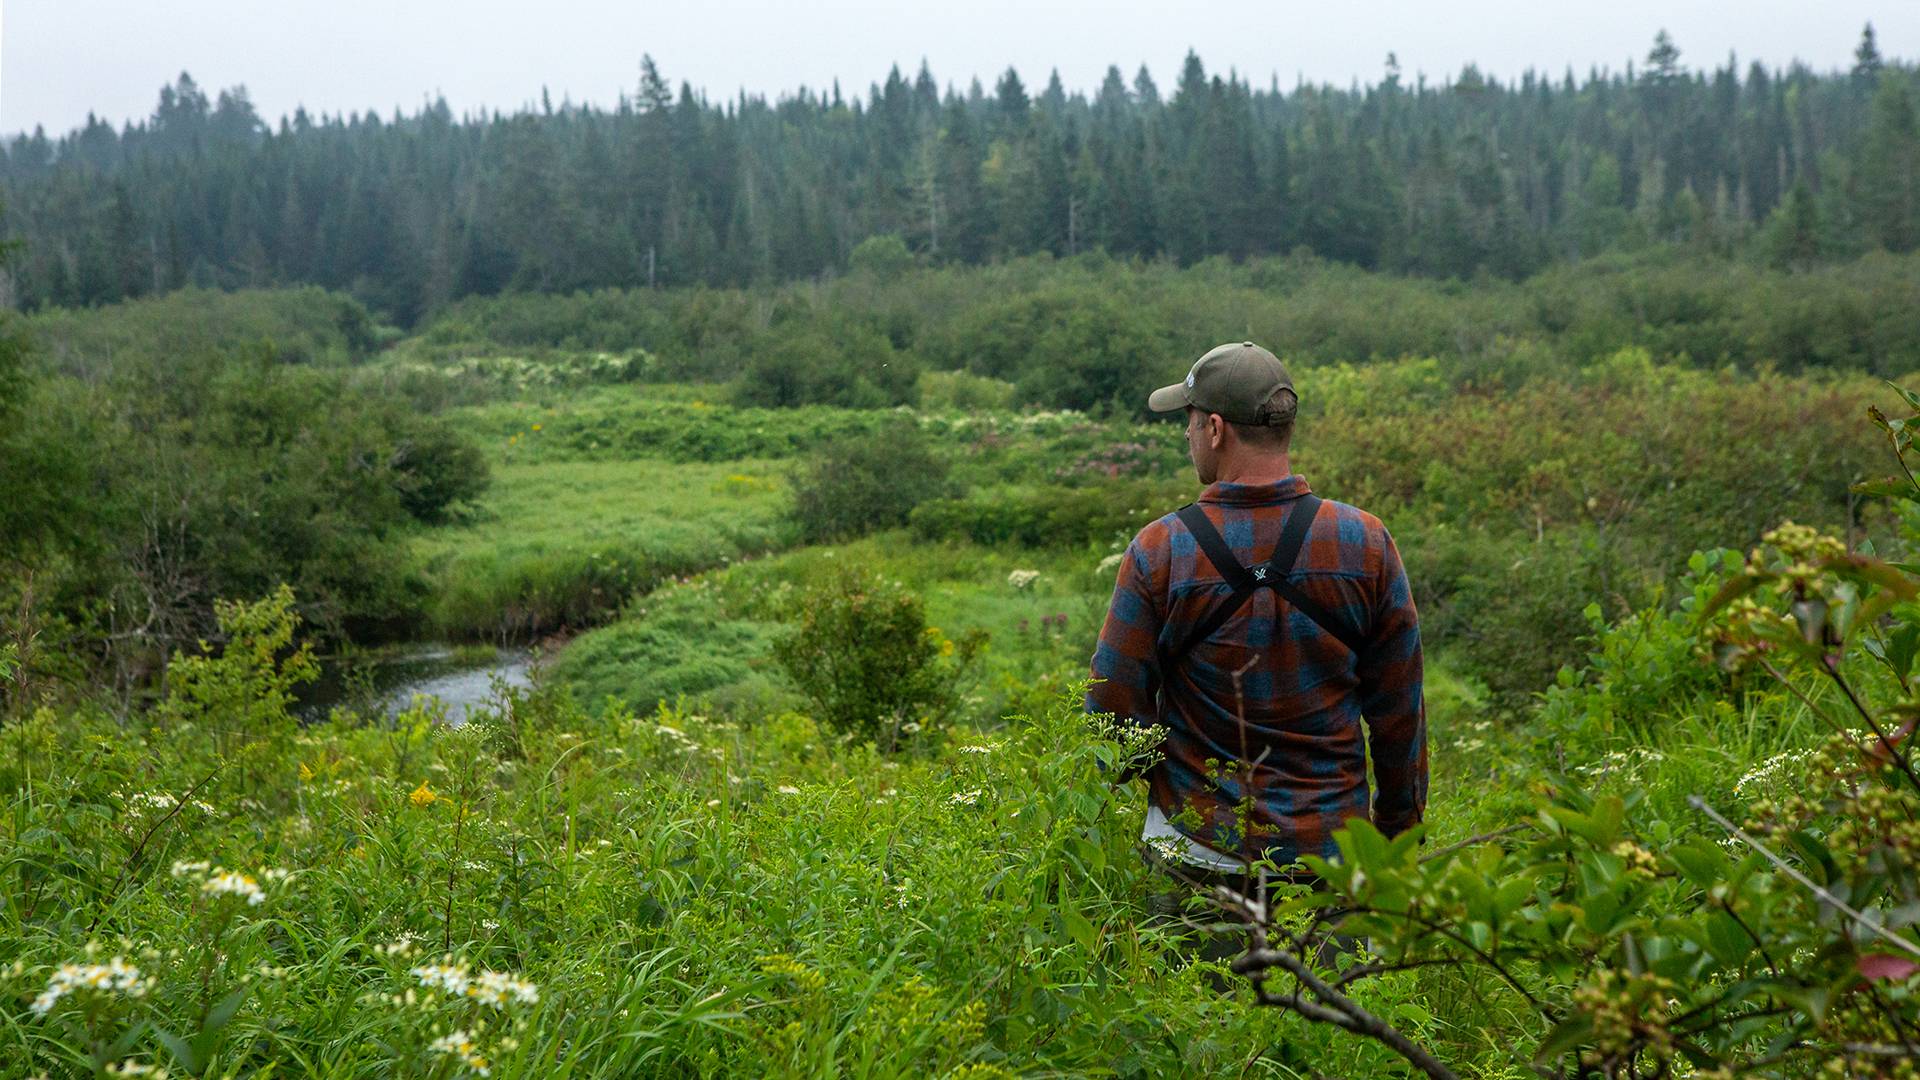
386	682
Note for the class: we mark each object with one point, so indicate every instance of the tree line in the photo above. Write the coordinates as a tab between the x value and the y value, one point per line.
1468	176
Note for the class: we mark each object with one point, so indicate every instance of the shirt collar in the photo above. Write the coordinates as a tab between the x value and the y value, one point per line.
1291	486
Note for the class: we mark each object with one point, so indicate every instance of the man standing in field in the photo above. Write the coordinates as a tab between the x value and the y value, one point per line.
1258	628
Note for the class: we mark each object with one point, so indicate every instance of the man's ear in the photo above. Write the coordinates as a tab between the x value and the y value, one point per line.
1216	430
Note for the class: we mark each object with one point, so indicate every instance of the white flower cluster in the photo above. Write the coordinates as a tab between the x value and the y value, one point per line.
223	883
495	988
1023	579
218	882
1773	769
462	1044
965	798
116	976
141	802
138	1068
1110	565
1621	761
403	946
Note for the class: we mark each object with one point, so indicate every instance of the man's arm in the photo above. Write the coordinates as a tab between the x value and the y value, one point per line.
1390	673
1125	659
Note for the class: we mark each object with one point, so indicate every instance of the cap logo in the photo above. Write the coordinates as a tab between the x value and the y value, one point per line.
1189	380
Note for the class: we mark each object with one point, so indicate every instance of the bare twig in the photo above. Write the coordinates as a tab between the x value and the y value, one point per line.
1892	749
1472	840
1786	868
1327	1005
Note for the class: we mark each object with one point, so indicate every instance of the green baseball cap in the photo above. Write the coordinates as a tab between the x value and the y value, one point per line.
1234	380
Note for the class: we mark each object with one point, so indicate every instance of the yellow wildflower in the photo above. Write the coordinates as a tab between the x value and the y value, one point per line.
423	796
306	774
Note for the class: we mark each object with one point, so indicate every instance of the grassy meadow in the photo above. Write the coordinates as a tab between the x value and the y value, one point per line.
665	858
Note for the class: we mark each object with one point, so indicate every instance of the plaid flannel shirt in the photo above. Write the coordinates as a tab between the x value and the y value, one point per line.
1303	694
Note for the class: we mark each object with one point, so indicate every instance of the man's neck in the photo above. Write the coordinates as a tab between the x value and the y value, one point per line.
1254	469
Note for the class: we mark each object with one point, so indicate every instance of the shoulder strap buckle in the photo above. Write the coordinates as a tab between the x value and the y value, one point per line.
1272	574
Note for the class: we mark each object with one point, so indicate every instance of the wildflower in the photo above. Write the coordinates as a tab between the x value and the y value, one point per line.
423	796
222	883
1023	579
306	773
115	977
495	988
1110	564
183	868
787	789
964	798
713	802
976	749
137	1068
461	1044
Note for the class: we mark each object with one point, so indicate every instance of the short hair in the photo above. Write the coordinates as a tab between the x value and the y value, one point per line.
1274	431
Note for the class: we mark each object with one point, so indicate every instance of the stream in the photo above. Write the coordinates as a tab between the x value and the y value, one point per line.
385	682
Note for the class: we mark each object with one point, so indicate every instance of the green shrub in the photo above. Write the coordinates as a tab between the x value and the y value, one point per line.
964	391
809	360
880	256
1049	516
859	485
863	654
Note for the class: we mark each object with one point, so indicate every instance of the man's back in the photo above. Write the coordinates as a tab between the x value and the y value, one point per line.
1271	695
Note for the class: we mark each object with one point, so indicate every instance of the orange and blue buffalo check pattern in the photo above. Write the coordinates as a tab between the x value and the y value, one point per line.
1268	710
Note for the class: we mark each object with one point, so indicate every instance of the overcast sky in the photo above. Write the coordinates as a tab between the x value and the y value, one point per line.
60	59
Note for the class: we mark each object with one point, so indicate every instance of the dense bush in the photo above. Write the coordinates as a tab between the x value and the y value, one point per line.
1092	330
859	485
1065	348
810	361
861	651
298	326
222	474
1049	516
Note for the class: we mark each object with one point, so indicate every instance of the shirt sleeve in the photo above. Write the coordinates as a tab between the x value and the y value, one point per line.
1391	670
1125	662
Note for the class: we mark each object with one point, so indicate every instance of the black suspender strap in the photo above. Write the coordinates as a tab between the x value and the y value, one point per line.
1273	574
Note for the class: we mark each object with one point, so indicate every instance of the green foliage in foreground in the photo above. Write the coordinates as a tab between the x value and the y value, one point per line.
559	894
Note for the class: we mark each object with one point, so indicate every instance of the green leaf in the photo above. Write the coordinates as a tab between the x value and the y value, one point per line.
1730	944
223	1010
1078	927
182	1051
1511	894
1566	1036
1889	487
1367	846
1701	863
1868	571
1600	912
1913	399
1814	857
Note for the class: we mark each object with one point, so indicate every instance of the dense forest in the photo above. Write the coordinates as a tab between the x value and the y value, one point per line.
1470	175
